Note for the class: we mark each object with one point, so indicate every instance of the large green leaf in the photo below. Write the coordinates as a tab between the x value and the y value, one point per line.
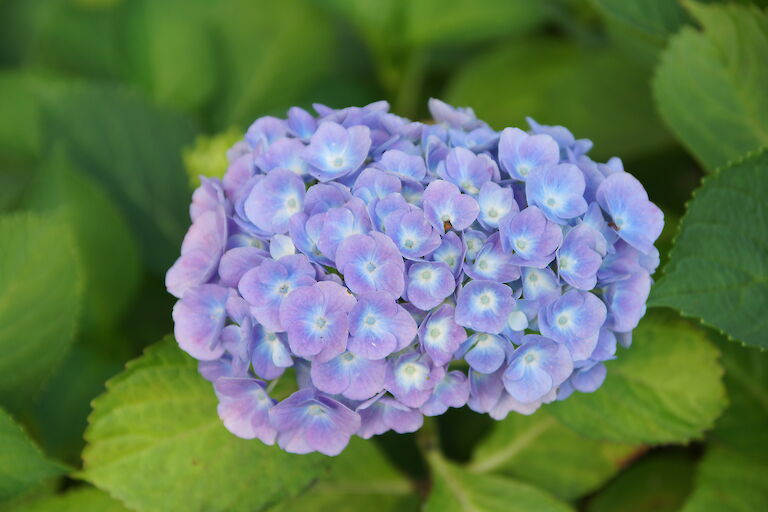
452	22
718	268
40	293
657	18
454	489
729	480
272	53
60	413
360	478
133	150
561	83
733	475
107	249
169	55
22	465
744	425
524	447
80	499
665	388
659	482
710	85
156	443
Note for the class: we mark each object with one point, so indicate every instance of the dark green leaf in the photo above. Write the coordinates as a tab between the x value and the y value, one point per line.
595	92
80	499
456	490
156	442
169	55
22	465
107	250
744	425
659	482
272	53
657	18
524	447
665	388
60	412
133	151
452	22
361	478
710	85
40	290
728	480
718	268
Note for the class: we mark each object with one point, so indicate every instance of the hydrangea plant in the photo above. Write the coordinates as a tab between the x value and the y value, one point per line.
383	270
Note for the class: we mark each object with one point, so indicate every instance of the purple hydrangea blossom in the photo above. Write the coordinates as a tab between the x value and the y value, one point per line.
520	154
636	219
531	237
316	319
447	208
371	263
484	305
412	377
274	200
244	407
574	320
440	334
266	286
381	414
558	191
335	151
378	326
429	283
310	421
536	368
384	270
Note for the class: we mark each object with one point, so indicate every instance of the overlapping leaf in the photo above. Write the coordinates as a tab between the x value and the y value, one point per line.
454	489
155	442
22	465
710	84
540	450
40	289
718	268
665	388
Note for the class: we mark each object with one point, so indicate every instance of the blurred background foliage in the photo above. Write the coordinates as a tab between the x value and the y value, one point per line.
110	109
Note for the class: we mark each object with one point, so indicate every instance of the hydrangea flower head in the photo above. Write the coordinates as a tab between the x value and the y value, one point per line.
384	270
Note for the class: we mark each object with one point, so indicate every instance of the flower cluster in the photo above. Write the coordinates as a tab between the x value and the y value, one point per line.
354	271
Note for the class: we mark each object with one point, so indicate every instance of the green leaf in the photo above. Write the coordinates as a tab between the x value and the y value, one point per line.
360	478
40	289
710	84
208	155
524	447
659	482
132	150
733	473
107	250
453	22
22	465
666	388
159	45
728	480
60	413
156	443
456	490
723	237
20	137
657	18
80	499
744	425
561	83
272	53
